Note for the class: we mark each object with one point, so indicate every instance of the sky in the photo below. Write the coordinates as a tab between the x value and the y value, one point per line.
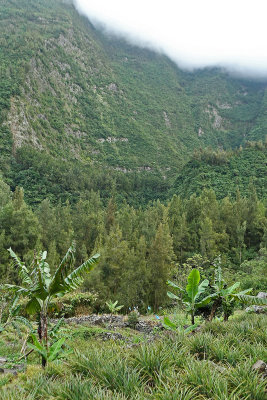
193	33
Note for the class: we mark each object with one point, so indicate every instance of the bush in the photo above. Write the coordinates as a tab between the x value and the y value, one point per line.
132	319
73	304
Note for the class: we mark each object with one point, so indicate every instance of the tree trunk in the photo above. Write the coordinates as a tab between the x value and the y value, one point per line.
214	308
193	318
225	317
42	332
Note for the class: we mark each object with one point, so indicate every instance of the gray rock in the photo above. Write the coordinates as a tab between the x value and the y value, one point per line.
257	309
260	366
113	321
111	336
2	360
5	371
262	295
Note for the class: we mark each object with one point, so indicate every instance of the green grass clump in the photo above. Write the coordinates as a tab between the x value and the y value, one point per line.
213	364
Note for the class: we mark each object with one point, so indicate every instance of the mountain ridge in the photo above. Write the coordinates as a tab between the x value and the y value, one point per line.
77	94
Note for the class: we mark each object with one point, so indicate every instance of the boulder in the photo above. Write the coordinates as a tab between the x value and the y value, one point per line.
260	367
262	295
257	309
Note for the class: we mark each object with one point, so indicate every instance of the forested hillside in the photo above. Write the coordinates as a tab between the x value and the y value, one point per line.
224	171
70	92
93	133
140	248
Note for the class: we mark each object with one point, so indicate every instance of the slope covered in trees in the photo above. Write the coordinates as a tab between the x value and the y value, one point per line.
80	96
95	131
140	248
224	171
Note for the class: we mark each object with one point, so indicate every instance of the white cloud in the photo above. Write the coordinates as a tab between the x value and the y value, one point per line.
193	33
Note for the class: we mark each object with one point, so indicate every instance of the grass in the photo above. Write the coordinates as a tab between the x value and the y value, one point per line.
215	363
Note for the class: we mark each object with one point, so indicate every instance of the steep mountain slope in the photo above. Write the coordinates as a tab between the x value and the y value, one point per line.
71	91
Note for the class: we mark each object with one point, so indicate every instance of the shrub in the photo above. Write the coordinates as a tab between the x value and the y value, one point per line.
73	304
132	319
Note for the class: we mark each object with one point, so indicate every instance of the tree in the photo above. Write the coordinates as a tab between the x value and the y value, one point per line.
207	238
135	287
40	287
160	262
20	227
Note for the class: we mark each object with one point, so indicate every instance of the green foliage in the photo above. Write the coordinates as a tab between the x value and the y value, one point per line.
49	101
113	308
224	172
73	304
132	319
250	300
39	287
51	353
191	295
224	295
215	363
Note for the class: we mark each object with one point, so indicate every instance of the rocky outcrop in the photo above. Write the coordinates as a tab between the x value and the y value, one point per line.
114	321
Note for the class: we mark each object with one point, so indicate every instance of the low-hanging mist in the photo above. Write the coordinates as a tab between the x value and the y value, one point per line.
194	34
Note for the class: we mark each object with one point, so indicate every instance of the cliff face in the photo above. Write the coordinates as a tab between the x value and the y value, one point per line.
77	94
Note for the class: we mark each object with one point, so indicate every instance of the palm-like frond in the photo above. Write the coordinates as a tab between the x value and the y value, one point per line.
192	285
232	288
251	300
23	271
19	290
75	278
62	270
202	288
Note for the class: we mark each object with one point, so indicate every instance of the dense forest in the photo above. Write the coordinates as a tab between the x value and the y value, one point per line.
140	247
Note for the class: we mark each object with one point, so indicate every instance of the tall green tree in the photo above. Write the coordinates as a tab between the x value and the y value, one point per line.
160	263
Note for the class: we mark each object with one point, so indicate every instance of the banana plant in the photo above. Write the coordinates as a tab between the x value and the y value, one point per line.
55	351
191	294
224	296
40	287
113	308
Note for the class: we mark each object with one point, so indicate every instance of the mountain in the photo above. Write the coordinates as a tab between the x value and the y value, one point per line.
83	101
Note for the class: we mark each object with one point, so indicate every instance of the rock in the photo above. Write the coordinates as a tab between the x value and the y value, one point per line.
218	367
257	309
147	327
262	295
16	368
260	366
2	360
12	371
111	336
113	87
113	321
